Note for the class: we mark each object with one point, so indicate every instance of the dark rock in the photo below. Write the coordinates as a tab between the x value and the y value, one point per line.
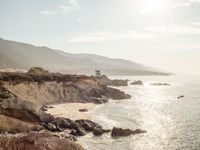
97	131
78	132
83	110
88	125
73	132
62	122
51	127
160	84
138	82
81	132
138	131
182	96
78	129
74	125
116	94
106	130
47	118
119	132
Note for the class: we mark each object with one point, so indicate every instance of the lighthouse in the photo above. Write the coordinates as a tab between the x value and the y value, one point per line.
97	73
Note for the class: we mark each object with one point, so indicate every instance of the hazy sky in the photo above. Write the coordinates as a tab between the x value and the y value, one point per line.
160	33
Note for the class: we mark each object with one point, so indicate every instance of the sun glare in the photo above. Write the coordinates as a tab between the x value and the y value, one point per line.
149	6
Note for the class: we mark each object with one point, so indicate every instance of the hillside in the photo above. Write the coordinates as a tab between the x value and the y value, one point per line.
18	55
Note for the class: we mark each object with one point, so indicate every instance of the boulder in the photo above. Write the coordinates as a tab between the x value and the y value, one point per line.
74	125
116	94
106	130
98	131
51	127
78	132
88	125
47	118
81	132
119	132
91	126
62	122
83	110
77	129
182	96
73	132
160	84
138	82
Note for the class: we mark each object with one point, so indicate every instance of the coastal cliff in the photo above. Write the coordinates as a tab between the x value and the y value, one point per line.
37	90
24	95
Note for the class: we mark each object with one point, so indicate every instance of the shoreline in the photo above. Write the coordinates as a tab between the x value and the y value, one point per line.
53	103
71	110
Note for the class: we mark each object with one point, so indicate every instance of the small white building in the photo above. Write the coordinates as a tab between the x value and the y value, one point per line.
97	73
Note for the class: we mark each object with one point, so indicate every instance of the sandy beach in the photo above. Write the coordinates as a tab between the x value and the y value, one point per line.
71	110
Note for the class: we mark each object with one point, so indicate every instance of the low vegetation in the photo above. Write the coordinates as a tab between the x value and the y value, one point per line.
38	70
40	75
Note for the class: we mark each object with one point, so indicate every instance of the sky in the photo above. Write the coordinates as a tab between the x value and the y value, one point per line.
161	33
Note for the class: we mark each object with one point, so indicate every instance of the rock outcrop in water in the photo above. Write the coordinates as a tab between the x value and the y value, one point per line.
182	96
119	132
138	82
160	84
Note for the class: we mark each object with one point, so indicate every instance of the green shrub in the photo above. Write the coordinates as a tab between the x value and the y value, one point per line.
38	70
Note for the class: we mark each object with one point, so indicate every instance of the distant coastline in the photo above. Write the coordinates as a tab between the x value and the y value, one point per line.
18	55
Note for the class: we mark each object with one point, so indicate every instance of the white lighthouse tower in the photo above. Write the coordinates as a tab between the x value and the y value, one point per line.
97	73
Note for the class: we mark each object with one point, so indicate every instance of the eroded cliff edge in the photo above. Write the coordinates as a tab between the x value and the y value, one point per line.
23	95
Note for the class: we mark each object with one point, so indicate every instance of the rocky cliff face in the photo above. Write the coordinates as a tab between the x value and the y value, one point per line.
23	95
45	89
52	92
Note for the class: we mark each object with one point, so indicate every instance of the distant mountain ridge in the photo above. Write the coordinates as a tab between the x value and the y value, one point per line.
19	55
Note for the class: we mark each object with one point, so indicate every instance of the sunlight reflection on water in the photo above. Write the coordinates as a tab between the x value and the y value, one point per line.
170	123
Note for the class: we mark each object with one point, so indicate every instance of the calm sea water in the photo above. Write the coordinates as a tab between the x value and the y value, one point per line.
171	123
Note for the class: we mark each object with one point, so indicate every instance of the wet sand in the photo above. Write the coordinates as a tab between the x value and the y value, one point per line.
71	110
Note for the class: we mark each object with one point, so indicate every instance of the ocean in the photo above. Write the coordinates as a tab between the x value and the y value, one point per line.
171	123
